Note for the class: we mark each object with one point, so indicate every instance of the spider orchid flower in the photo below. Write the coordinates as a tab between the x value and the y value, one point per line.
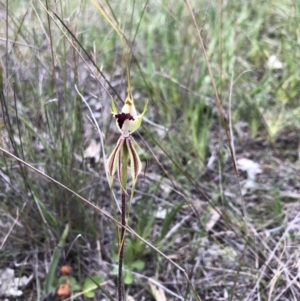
128	121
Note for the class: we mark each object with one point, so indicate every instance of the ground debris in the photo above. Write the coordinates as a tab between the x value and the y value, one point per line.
10	286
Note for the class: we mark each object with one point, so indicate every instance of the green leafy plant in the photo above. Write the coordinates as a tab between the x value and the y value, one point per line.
50	278
75	286
200	124
166	225
135	248
88	287
90	284
136	265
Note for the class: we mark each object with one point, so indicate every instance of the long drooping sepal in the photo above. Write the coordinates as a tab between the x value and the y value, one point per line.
113	160
135	162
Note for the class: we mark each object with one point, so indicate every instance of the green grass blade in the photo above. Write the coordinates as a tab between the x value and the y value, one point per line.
51	273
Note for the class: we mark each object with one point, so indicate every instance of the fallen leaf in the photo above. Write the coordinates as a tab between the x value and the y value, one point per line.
10	285
157	293
252	168
213	218
274	63
161	213
92	152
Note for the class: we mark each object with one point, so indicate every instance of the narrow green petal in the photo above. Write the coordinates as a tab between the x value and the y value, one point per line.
135	162
113	160
145	108
114	109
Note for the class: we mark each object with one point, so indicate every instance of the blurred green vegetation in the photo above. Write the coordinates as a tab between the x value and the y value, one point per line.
253	50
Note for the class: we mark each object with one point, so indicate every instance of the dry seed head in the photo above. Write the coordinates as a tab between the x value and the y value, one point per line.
65	270
64	290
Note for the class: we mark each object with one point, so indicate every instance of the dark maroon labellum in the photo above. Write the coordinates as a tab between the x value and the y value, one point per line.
122	117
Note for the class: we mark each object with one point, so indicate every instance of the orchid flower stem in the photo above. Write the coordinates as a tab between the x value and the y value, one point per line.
124	167
123	213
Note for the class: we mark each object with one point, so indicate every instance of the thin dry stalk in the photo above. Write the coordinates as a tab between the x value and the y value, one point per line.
225	125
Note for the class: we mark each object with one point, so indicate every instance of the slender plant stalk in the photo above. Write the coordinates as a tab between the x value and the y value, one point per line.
123	214
225	125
